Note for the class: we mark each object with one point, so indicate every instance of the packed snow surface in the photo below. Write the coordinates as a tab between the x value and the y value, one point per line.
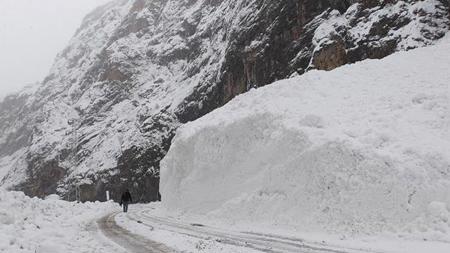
363	149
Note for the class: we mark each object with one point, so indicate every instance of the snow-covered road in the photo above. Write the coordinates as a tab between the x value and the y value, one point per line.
131	242
138	231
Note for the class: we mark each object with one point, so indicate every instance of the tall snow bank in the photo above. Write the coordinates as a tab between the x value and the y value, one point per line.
48	226
362	149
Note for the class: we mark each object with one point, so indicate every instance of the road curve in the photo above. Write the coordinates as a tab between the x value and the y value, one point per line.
131	242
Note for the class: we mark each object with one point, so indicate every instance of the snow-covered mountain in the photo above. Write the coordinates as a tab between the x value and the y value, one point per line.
138	69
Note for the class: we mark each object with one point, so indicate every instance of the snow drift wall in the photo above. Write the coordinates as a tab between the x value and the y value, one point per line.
361	149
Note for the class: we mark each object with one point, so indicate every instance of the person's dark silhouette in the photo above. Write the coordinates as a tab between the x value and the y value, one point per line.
125	200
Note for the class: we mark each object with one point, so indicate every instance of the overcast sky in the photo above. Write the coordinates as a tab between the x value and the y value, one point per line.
32	32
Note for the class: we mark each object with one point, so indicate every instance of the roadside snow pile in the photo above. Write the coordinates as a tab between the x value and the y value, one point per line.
364	149
48	226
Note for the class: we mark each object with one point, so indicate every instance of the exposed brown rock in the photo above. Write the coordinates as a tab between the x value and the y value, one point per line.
330	56
113	74
43	178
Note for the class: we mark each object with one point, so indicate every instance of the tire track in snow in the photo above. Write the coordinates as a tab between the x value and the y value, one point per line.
131	242
261	242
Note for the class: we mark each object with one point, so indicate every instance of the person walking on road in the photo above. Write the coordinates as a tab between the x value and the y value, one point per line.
125	200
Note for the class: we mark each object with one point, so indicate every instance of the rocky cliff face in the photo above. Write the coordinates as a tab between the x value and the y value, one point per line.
137	70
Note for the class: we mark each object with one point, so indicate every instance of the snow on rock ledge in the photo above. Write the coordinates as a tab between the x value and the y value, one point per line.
362	149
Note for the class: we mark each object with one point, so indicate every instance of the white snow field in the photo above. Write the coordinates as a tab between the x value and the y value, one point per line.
32	225
363	150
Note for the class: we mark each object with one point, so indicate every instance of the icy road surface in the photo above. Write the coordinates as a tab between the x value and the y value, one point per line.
131	242
140	231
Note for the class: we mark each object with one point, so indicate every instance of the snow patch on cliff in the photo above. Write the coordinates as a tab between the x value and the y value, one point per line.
364	149
422	28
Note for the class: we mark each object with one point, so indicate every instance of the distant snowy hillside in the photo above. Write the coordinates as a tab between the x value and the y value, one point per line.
138	69
361	149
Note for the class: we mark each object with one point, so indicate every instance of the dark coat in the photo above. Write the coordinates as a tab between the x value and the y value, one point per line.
126	198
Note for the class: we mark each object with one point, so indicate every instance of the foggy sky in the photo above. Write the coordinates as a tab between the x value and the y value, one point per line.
32	32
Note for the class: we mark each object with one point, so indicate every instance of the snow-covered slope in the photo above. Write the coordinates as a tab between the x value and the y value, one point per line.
137	69
361	149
